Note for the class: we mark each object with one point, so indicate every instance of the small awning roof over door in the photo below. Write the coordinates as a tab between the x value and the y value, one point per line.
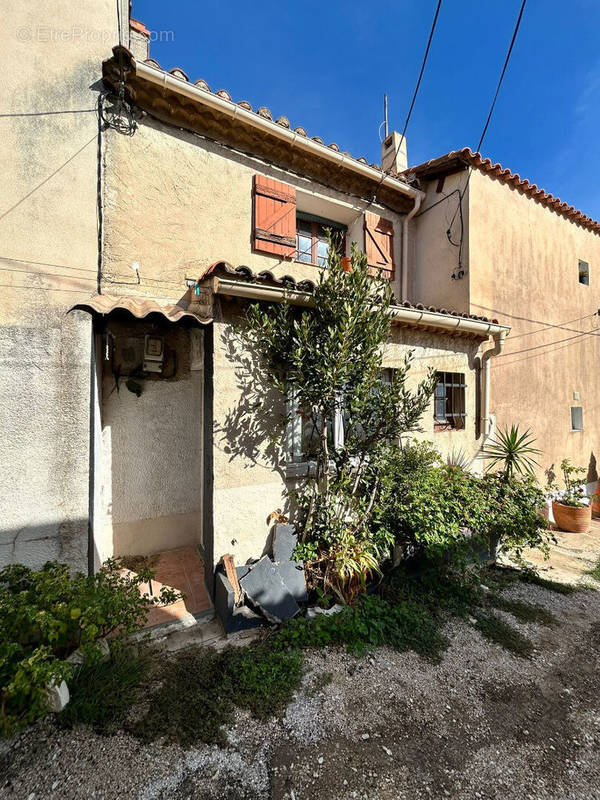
141	307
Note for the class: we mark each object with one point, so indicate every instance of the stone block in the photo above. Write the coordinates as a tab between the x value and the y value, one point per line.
265	588
284	542
233	618
292	574
78	656
57	696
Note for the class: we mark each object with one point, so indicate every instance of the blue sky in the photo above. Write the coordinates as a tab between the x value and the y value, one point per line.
326	65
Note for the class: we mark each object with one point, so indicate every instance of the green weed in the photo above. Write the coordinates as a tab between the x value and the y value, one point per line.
102	692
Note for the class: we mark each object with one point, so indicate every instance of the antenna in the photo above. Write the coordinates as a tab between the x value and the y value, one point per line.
384	124
385	116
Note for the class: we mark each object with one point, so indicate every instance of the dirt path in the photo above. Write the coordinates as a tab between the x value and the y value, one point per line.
481	724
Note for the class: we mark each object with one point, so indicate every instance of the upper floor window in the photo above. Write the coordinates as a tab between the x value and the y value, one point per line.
281	229
312	240
449	410
584	272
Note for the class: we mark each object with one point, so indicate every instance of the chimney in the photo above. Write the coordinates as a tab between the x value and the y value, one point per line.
393	153
139	39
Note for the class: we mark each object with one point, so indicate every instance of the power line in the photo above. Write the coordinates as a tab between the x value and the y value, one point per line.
49	177
415	93
491	111
49	113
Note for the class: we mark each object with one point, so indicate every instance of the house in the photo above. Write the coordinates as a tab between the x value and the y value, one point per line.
489	242
137	237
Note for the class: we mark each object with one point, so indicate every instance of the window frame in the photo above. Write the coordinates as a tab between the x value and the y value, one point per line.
448	421
585	273
573	421
317	225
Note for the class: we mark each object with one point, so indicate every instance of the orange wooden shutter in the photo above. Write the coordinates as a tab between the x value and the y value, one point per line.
274	216
379	245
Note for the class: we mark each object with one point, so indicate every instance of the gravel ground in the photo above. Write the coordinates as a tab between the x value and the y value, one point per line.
481	724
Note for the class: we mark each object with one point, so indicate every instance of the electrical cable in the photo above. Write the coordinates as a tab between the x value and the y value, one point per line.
414	97
491	111
49	113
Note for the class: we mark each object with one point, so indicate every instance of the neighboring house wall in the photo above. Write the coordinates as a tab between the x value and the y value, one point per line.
524	271
435	259
51	62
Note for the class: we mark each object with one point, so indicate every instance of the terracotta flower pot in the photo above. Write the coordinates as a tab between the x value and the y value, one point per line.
346	263
573	520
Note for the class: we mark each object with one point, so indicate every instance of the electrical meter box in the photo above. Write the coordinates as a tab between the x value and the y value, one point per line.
154	353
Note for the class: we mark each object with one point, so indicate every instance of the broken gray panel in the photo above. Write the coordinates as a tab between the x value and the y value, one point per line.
284	542
243	570
268	592
233	619
292	574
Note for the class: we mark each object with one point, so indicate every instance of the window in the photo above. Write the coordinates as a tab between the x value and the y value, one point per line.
449	408
576	418
312	242
302	434
584	273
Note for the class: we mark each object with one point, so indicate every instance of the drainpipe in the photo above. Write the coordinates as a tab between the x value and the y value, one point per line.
499	339
404	267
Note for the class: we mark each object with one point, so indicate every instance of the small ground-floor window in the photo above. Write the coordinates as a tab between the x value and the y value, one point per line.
449	409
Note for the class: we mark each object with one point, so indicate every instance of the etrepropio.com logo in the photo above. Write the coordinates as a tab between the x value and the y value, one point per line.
79	33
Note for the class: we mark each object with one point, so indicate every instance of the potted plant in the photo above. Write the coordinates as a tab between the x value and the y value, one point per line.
570	506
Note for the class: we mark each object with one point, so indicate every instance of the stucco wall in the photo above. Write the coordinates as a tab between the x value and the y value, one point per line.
524	271
151	451
249	472
445	354
51	61
435	259
176	203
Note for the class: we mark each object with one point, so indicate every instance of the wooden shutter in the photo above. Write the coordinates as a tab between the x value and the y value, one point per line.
379	245
274	216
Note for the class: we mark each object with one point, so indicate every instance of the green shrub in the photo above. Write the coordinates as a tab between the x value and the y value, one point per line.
372	622
423	505
45	615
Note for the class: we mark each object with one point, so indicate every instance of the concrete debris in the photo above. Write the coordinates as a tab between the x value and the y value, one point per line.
234	618
270	589
77	657
266	590
57	696
284	542
292	574
312	613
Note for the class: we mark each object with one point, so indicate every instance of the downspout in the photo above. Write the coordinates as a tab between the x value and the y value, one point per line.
499	339
404	266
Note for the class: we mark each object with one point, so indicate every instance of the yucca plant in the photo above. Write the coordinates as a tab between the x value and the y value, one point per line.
513	452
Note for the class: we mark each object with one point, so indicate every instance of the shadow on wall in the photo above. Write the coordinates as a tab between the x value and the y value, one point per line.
252	430
63	540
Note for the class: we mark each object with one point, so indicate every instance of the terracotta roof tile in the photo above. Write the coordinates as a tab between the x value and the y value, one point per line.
244	273
476	160
139	307
262	111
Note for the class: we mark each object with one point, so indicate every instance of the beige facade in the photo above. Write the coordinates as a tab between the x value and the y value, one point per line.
105	456
51	58
521	265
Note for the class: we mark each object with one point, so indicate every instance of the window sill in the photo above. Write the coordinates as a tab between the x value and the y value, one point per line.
304	469
439	428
